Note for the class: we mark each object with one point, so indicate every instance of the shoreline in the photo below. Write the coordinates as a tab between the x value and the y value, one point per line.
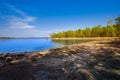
89	38
85	43
65	62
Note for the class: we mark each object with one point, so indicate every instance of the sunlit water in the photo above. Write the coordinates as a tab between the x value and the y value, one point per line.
26	45
32	45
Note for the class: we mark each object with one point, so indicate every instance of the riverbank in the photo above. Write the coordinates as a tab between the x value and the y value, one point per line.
87	61
88	38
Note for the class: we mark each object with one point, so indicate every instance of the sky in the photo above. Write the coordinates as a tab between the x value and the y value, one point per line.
39	18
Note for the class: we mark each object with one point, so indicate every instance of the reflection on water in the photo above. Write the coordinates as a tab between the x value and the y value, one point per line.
69	42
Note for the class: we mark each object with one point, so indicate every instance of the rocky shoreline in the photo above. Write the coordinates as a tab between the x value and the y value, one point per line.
89	61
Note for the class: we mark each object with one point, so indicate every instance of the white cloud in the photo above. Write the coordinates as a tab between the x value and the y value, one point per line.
29	19
21	23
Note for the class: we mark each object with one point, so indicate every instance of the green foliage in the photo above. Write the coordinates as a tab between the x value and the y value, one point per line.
111	30
118	25
118	20
110	22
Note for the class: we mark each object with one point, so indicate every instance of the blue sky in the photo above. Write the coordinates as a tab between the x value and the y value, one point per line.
39	18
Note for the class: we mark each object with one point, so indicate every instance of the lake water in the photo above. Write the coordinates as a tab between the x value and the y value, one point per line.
26	45
31	45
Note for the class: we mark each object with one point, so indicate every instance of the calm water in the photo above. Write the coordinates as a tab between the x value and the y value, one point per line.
31	45
69	42
26	45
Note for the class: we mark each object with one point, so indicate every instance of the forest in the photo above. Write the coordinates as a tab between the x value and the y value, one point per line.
110	30
7	38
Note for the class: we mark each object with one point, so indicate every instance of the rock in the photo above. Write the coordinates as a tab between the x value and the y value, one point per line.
64	70
66	54
64	60
44	52
14	61
2	57
64	51
8	59
7	55
78	65
100	64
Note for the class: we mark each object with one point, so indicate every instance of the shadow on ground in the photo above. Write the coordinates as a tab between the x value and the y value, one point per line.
91	62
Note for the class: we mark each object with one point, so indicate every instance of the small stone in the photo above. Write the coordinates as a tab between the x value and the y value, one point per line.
64	51
14	61
63	69
39	56
65	54
78	65
100	64
63	60
8	59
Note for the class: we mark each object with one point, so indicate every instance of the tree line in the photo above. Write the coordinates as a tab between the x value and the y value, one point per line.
7	38
110	30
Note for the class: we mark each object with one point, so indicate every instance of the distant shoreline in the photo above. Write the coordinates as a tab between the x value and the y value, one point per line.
23	37
7	38
71	38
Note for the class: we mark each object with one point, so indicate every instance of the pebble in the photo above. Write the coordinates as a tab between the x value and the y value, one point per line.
8	59
78	65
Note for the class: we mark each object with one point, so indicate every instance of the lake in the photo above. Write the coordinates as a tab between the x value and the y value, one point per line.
32	45
26	45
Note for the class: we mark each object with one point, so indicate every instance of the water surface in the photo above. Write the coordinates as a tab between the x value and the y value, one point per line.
33	45
26	45
70	42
